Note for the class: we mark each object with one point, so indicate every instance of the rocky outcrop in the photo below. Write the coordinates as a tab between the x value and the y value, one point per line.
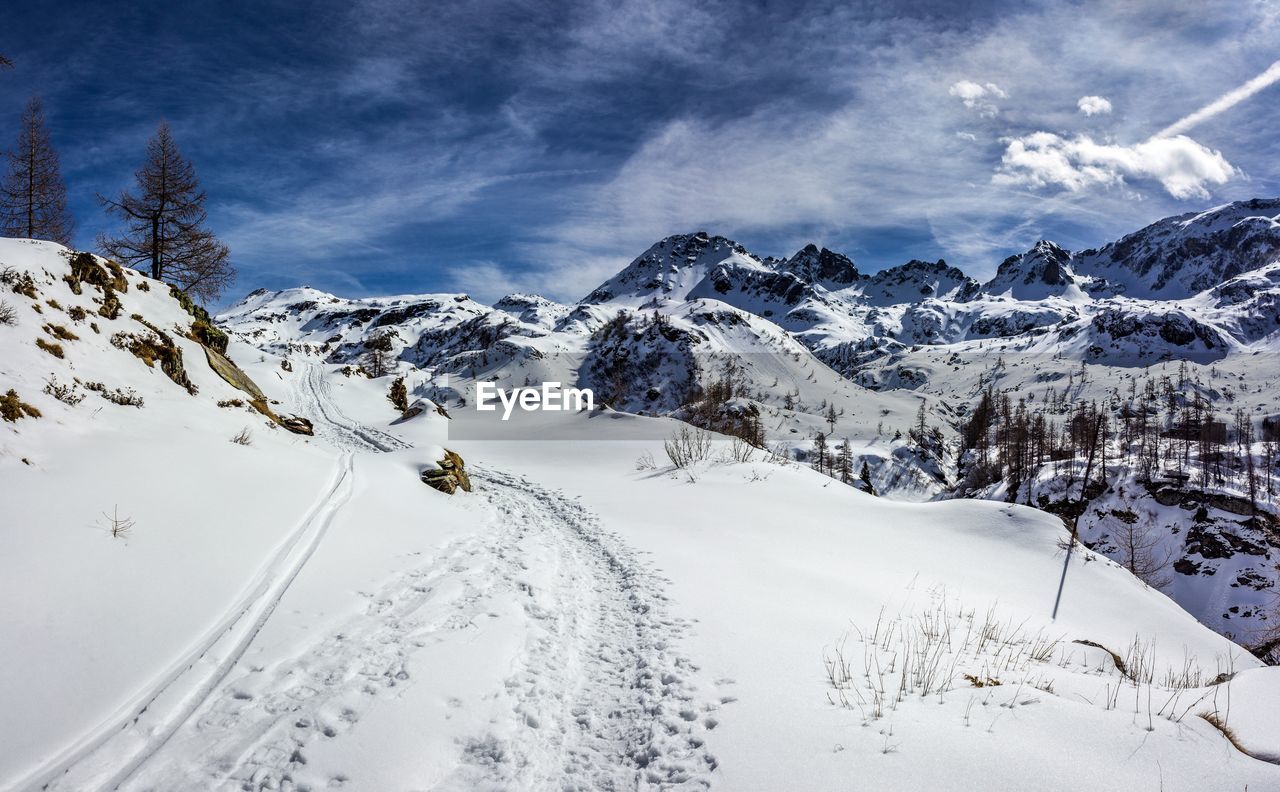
296	424
419	407
823	267
448	476
232	373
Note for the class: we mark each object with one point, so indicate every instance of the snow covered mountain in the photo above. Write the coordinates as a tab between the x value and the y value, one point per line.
823	349
206	596
1043	271
1180	257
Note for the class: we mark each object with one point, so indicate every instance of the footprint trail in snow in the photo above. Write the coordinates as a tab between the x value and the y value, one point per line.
600	697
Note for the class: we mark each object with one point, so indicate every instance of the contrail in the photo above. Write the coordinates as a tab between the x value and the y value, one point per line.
1224	102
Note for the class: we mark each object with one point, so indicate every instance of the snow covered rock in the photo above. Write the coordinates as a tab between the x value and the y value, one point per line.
1043	271
448	475
822	267
918	280
669	269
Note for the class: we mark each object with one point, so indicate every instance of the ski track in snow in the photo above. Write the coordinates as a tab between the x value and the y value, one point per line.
601	699
141	728
313	396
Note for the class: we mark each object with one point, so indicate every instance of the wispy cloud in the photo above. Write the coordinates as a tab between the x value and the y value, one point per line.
978	96
540	144
1225	102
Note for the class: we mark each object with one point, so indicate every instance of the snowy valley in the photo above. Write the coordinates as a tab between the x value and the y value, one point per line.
817	533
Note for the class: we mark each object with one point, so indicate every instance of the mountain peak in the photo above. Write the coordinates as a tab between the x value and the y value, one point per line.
670	268
822	267
1043	271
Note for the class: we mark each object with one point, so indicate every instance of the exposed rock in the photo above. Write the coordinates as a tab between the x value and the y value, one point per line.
449	476
419	407
1042	271
1168	496
415	409
296	424
822	266
156	346
232	373
85	268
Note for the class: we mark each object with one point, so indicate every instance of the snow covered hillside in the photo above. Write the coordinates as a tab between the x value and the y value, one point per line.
226	570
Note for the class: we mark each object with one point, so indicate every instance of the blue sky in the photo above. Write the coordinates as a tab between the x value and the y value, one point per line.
378	146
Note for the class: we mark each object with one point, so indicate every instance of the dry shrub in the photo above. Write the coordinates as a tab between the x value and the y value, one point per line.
62	392
54	349
12	408
688	446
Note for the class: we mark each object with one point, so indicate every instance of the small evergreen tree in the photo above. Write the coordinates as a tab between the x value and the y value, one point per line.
819	452
865	476
844	461
399	395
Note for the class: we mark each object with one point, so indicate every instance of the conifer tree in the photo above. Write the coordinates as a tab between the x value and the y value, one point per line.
844	462
865	475
819	452
164	225
33	197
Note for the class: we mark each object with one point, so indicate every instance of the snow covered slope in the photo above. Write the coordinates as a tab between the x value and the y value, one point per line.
299	612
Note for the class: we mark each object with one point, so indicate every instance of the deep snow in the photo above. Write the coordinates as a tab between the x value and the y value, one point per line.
306	614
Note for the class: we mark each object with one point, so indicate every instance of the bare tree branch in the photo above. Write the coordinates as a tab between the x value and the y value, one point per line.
33	197
164	219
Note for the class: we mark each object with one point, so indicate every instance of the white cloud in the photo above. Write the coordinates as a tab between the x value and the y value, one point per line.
1094	105
978	96
1181	165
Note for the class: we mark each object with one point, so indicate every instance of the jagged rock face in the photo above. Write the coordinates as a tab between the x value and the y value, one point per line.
1120	336
822	267
733	284
1043	271
1178	257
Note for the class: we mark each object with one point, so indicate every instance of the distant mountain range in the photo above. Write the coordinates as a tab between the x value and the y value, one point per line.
1196	286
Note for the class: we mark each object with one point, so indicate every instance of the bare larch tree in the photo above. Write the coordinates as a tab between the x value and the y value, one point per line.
33	197
164	225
